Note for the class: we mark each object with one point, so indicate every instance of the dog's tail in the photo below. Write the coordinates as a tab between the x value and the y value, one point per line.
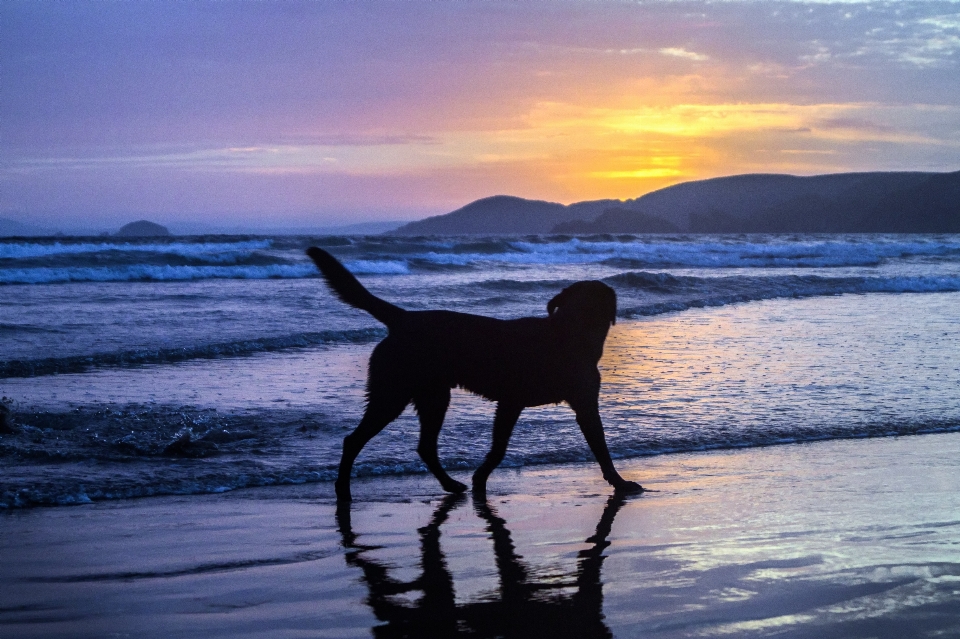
349	290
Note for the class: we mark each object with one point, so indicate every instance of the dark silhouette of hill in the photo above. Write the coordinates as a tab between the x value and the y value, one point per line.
774	203
930	207
617	220
504	214
894	202
142	228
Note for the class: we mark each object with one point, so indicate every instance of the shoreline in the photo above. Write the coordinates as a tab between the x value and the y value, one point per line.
84	499
842	538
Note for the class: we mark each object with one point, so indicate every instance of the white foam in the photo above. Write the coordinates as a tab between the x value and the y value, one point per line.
729	253
149	272
185	249
376	267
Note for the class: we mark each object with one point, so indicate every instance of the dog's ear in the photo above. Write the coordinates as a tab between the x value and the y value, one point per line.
610	307
556	302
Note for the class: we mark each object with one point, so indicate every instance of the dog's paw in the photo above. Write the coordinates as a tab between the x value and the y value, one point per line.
453	486
479	483
628	487
343	492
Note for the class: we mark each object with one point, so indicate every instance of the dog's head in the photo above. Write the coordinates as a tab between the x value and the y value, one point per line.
587	304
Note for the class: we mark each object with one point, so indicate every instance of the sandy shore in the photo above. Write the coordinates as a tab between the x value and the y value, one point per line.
855	538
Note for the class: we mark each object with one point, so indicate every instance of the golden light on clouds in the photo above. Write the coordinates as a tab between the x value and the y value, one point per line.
679	52
584	152
639	173
337	109
626	151
705	120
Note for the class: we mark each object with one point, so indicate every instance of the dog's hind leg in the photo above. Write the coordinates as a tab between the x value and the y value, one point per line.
432	407
382	408
503	423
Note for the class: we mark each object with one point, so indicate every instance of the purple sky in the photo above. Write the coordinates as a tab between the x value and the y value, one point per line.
287	113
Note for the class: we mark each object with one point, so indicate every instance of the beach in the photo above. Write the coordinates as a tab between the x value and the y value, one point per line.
251	251
176	412
844	538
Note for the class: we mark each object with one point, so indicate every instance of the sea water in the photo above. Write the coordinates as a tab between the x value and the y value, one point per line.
201	364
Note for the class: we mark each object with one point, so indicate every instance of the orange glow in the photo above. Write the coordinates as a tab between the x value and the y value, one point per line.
338	111
594	152
572	152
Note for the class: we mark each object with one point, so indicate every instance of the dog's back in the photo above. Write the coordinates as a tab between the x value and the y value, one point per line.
519	359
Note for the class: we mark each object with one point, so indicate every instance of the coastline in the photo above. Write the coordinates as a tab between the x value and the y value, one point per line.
842	538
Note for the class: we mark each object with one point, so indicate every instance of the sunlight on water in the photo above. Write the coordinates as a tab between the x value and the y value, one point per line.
787	369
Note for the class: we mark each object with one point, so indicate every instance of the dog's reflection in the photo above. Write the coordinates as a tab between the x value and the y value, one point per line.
522	606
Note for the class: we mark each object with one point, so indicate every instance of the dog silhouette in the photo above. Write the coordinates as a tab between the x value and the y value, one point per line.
517	363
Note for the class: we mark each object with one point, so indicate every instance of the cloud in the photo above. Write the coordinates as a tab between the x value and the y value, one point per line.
679	52
112	103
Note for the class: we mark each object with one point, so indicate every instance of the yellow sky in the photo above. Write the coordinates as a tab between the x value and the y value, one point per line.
582	152
351	111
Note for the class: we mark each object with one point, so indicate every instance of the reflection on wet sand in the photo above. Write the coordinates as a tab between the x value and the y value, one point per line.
523	606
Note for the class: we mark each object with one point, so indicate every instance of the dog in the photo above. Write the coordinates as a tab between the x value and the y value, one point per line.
517	363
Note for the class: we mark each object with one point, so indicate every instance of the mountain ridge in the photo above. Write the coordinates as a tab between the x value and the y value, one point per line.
895	202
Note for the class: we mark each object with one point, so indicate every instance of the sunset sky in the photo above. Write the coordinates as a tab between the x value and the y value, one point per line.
312	113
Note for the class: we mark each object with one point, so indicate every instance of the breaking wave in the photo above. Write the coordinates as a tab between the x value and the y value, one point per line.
261	258
641	294
238	348
663	292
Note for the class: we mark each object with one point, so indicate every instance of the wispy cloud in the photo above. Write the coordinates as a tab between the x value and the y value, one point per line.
680	52
426	104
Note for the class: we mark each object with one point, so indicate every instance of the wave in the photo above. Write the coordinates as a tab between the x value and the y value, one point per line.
690	252
504	285
239	348
40	263
25	328
663	292
714	252
180	273
645	293
134	448
641	294
375	267
153	273
186	249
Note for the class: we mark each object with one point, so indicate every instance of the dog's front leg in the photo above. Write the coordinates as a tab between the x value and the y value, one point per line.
588	417
503	423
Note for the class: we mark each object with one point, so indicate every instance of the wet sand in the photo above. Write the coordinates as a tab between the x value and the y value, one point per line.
853	538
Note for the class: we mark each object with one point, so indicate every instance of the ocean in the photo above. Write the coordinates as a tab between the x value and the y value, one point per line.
200	364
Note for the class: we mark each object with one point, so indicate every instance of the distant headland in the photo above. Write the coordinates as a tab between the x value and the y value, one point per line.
882	202
143	228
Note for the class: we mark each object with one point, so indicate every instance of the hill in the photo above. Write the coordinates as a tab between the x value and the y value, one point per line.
617	220
142	228
504	214
895	202
930	207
